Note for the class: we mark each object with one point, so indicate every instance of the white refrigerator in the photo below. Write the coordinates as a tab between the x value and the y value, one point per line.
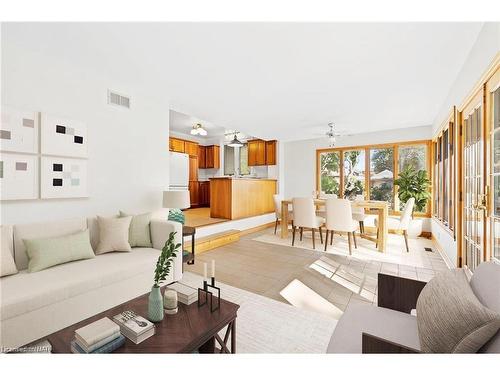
179	171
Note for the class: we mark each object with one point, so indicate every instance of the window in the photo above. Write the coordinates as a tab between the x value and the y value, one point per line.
444	174
382	175
354	173
369	170
236	156
330	172
244	169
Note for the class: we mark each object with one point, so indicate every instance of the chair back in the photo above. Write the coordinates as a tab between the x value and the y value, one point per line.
406	214
277	205
339	215
358	210
304	213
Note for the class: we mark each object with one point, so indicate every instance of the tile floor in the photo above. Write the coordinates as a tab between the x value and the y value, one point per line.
315	280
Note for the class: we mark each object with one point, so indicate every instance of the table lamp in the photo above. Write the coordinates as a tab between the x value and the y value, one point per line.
175	200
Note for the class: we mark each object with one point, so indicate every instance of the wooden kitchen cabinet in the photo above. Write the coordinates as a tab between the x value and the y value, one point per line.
191	148
176	145
270	152
204	193
193	168
202	157
194	193
212	156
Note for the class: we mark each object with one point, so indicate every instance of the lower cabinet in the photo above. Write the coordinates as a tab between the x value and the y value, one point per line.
194	193
199	193
204	193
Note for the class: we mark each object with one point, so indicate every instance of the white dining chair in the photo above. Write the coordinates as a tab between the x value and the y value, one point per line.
277	210
304	216
322	209
358	213
400	223
339	219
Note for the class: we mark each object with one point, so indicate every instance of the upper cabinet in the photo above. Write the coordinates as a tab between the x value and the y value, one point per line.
191	148
261	152
212	156
176	145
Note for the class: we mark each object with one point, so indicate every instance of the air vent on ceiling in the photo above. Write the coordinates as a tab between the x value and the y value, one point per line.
118	99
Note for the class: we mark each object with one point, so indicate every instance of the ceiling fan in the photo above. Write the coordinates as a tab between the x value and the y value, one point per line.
332	134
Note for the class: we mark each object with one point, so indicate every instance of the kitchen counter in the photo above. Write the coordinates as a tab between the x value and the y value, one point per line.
236	198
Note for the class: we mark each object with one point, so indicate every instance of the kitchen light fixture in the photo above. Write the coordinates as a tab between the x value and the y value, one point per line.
235	142
198	130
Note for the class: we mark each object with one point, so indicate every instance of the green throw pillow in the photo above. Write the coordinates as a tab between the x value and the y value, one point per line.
47	252
139	234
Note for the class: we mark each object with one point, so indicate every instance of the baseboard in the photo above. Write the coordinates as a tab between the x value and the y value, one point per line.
441	252
256	229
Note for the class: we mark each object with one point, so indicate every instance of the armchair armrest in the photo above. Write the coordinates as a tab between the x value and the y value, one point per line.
376	345
398	293
160	230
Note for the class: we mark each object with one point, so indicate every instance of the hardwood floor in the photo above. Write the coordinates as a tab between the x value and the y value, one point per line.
302	275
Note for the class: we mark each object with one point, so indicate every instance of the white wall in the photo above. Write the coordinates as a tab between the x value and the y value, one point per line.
483	52
128	149
300	156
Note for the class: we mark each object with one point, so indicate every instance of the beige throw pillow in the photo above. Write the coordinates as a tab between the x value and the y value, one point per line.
139	233
450	318
113	234
7	265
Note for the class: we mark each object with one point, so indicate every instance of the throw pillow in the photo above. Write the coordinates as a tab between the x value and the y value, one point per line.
113	234
139	234
7	265
47	252
450	318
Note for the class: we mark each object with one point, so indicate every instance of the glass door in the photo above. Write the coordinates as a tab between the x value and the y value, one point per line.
474	199
493	128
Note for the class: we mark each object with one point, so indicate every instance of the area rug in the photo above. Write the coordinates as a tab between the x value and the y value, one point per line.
265	325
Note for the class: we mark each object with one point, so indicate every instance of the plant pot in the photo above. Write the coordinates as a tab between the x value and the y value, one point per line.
415	228
155	305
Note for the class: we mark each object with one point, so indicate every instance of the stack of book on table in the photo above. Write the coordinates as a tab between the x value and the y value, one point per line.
101	336
134	327
185	294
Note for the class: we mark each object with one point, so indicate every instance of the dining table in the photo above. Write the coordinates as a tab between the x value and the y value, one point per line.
381	207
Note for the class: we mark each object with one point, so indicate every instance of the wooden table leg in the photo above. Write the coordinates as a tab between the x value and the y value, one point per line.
208	347
383	232
233	337
284	220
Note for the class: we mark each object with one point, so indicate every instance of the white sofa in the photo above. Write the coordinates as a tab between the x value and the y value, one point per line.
36	304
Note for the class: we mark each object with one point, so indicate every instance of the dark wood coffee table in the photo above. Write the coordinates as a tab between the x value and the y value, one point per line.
192	329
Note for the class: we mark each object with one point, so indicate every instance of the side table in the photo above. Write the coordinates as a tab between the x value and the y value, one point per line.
186	232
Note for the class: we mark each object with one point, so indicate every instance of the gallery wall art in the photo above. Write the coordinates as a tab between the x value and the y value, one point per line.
18	176
19	130
63	178
63	137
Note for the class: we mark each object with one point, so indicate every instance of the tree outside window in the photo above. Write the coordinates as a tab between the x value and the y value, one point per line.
330	172
354	173
382	175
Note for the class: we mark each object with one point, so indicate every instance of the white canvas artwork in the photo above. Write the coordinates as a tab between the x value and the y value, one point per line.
19	130
63	178
18	176
63	137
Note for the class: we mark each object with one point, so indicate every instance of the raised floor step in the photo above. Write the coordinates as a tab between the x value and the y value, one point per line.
213	241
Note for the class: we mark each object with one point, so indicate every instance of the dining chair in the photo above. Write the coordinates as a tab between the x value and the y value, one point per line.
358	213
277	210
304	216
322	209
400	223
339	219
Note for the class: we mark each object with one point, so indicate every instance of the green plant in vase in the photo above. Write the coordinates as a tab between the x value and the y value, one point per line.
414	184
162	270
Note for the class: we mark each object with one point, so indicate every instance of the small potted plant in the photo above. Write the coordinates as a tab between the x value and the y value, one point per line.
414	184
163	266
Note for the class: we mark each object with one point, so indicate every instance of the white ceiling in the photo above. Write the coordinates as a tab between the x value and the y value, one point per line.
276	80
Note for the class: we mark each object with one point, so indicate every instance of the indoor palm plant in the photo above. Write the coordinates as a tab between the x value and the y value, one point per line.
163	266
414	184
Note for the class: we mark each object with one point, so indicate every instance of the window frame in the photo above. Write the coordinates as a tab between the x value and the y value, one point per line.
367	148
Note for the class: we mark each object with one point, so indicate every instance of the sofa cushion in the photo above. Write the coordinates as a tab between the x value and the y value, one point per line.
7	265
139	231
486	276
42	230
47	252
26	292
450	317
113	234
388	324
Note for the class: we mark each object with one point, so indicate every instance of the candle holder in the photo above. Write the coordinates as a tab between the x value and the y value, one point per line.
209	295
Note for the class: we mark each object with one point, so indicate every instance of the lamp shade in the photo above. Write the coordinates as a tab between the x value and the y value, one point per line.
176	199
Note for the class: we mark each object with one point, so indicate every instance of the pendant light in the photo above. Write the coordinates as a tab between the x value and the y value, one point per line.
235	142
